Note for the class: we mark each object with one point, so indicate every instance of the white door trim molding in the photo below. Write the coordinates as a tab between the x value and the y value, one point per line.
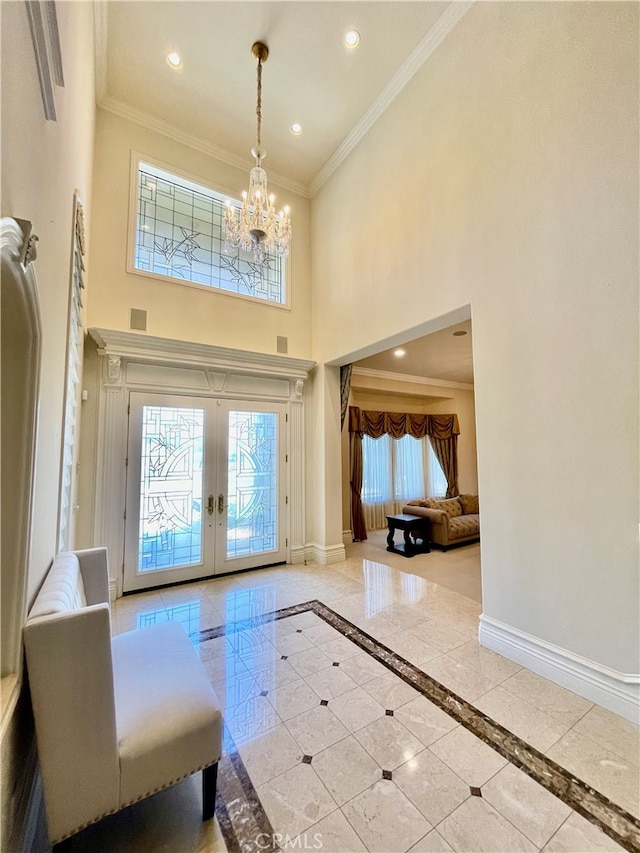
129	346
134	362
617	691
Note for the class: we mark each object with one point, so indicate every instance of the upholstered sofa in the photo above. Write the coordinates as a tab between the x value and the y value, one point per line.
454	521
116	718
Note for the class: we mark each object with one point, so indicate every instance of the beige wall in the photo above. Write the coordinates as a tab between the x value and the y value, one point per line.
380	394
322	447
173	310
43	164
505	176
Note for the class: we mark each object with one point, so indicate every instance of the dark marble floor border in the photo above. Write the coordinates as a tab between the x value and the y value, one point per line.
243	821
613	820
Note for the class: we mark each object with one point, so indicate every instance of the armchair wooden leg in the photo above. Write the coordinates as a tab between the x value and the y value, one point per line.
209	783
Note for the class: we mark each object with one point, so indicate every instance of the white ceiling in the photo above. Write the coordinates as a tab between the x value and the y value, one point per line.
442	355
310	76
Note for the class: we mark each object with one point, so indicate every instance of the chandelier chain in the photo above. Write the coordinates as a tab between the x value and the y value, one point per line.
256	226
259	114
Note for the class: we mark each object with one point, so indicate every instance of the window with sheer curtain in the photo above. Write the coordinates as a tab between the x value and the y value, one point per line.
394	471
436	482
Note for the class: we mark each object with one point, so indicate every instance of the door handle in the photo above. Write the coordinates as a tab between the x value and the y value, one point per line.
210	505
220	503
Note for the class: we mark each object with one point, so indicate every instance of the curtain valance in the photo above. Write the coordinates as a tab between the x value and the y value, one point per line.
397	424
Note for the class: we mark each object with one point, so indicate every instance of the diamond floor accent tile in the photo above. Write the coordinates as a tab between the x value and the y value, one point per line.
461	770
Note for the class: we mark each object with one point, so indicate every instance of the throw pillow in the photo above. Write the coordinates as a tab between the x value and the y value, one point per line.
470	505
451	506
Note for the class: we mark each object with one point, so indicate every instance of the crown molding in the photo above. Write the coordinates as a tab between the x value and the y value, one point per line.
452	15
45	37
123	110
154	350
407	377
100	35
198	143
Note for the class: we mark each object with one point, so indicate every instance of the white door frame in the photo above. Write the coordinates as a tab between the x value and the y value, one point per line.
214	556
137	362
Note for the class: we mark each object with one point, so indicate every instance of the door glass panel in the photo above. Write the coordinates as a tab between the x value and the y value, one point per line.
188	614
170	532
252	486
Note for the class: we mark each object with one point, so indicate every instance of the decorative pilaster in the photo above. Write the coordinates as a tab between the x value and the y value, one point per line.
111	472
296	488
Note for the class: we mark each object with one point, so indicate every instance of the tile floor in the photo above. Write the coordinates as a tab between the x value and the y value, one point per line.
340	730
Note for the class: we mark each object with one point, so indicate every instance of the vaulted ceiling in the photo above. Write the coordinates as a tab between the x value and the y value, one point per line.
310	77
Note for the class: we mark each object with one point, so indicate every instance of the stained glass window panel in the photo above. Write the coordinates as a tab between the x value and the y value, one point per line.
170	533
179	234
252	516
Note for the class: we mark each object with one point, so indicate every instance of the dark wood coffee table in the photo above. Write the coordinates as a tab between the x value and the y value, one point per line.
412	525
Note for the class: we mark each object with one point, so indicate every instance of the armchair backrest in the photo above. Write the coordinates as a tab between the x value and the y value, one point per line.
69	663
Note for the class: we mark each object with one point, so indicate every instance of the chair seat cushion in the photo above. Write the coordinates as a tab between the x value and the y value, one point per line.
167	718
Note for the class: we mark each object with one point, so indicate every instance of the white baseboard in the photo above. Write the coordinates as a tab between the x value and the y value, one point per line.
347	537
297	555
113	589
326	555
617	691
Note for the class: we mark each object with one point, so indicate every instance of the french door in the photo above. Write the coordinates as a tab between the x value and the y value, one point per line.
205	488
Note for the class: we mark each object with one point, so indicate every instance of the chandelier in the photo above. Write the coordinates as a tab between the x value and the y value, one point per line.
256	226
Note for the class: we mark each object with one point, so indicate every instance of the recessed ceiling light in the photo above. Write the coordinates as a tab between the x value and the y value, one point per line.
460	333
174	60
398	353
352	38
296	128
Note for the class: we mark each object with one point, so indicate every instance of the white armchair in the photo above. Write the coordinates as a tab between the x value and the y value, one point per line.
116	719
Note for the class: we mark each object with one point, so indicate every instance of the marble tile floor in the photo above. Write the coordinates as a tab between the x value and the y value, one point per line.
457	569
336	738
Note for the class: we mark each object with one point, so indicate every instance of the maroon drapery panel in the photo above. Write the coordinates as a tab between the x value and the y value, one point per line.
358	526
345	386
446	451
